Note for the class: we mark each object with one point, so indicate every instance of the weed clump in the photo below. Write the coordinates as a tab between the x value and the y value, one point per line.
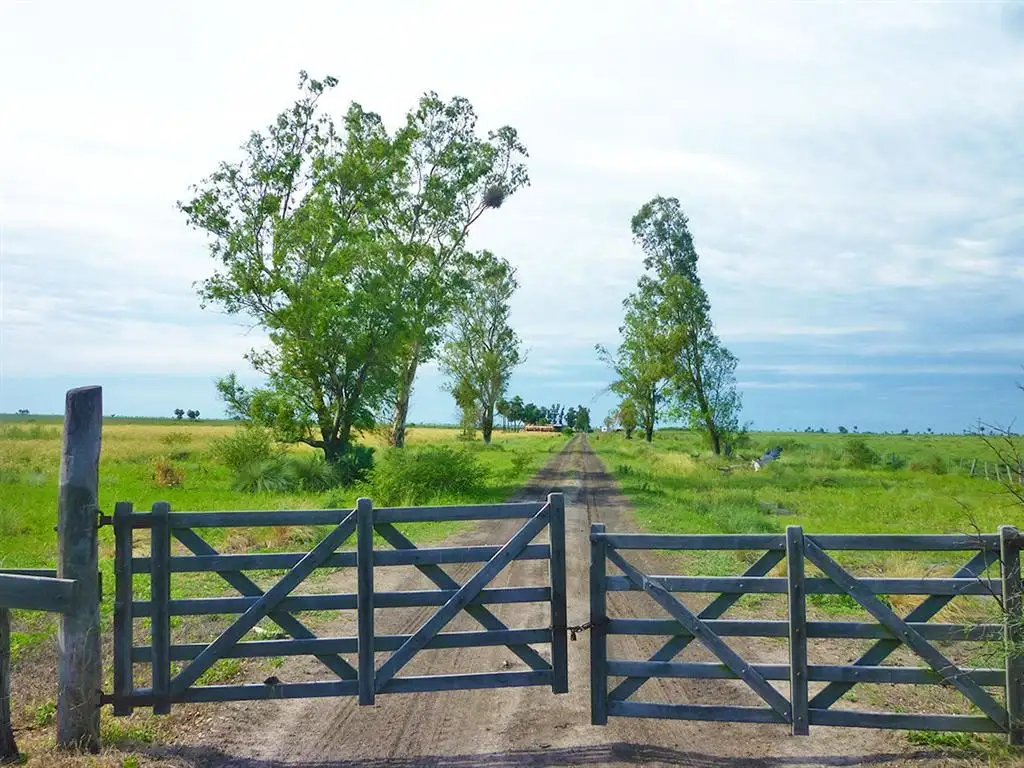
423	474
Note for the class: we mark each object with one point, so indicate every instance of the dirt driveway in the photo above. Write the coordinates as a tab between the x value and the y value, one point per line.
522	726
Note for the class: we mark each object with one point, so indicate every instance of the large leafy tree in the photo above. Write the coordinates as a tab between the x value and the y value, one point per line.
290	227
676	313
482	349
447	179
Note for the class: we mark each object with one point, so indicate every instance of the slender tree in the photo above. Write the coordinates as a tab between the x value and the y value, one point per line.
676	306
482	349
448	177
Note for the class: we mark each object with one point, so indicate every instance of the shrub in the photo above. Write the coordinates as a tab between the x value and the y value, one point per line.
895	461
271	475
419	475
859	454
252	444
166	475
520	461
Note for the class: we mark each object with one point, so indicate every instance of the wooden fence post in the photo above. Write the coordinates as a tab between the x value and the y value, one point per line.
1009	554
559	613
160	608
79	672
364	600
124	678
598	631
8	748
797	630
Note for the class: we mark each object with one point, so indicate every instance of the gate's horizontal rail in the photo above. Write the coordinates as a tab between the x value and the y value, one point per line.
204	606
329	645
834	629
46	573
334	516
815	672
219	693
37	593
848	718
282	560
769	541
814	586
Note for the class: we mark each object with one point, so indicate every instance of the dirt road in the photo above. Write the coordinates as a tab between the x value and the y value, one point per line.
522	726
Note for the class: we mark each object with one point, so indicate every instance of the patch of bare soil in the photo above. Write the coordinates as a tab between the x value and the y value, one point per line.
521	726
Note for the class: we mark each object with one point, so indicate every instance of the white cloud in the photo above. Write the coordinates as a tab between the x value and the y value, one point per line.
849	169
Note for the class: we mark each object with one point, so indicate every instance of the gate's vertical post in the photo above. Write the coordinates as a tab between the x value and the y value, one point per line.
598	629
80	670
160	598
364	599
559	613
797	630
1010	543
8	747
124	684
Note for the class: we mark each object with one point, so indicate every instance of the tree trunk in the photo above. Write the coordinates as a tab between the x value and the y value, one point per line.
408	376
716	440
649	432
487	423
8	749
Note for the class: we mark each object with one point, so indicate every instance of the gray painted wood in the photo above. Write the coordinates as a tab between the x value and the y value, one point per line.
333	688
863	542
815	586
559	613
713	712
260	518
598	629
200	606
8	746
713	643
815	672
929	653
713	610
902	721
1010	547
45	573
837	629
449	588
460	600
329	645
928	608
123	602
37	593
797	629
160	616
80	666
364	576
266	603
285	560
279	616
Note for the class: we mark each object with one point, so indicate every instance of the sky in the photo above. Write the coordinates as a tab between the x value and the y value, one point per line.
851	172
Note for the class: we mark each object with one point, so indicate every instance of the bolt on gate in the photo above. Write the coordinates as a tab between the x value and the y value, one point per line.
279	604
890	633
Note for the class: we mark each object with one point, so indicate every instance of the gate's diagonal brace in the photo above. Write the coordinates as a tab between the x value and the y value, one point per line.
442	580
715	644
264	604
457	602
713	610
248	588
882	649
888	618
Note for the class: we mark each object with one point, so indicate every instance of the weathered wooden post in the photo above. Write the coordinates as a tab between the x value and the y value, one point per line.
79	674
8	748
1013	606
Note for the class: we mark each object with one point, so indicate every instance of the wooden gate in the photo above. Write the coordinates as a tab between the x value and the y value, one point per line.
799	709
279	604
